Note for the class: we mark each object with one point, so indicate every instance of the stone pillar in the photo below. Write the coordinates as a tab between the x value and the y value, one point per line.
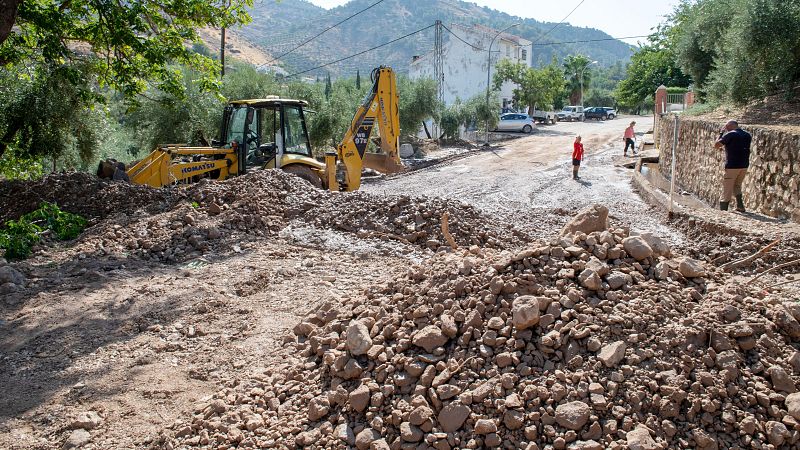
660	107
661	100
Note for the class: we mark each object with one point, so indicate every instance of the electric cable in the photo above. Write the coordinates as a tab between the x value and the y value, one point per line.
362	52
592	40
559	23
322	32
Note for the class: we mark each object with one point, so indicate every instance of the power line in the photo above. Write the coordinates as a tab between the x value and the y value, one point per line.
462	40
362	52
322	32
559	23
591	40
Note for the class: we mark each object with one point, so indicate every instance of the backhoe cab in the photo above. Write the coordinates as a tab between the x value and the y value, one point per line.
272	133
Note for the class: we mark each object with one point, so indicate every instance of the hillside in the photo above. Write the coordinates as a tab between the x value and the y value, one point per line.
278	26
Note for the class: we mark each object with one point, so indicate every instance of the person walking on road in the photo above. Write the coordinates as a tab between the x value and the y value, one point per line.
577	157
628	137
736	142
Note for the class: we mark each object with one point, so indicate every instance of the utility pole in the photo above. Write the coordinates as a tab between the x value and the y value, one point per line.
438	67
222	52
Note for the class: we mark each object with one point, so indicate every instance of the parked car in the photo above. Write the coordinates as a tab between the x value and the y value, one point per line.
612	112
544	116
515	122
571	113
597	113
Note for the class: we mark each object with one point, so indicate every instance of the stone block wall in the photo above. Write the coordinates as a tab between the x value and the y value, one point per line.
772	185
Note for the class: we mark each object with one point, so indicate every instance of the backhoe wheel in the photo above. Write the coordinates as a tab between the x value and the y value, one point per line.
305	173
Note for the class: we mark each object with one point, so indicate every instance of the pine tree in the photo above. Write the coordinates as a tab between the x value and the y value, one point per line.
328	86
358	79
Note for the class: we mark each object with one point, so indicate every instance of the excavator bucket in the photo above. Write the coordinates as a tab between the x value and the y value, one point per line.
383	163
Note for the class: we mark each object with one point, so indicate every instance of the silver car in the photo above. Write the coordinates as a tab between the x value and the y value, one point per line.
515	122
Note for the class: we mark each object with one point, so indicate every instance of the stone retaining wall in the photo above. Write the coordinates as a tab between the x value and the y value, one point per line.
772	185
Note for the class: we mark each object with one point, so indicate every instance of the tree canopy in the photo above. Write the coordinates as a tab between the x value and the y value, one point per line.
534	87
125	45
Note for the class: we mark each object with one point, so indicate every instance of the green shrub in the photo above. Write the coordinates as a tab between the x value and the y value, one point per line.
18	236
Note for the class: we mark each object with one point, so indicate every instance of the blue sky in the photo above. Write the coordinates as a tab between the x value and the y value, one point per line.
616	17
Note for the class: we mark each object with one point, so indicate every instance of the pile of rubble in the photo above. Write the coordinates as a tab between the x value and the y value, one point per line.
80	193
595	339
181	223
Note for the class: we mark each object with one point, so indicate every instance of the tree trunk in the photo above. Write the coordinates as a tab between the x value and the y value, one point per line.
8	14
425	126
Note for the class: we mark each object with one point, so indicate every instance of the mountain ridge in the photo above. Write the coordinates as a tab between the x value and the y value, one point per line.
280	26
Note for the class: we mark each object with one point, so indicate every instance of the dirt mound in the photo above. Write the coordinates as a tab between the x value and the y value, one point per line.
181	223
413	220
572	343
80	193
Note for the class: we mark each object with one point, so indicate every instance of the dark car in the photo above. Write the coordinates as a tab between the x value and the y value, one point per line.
597	113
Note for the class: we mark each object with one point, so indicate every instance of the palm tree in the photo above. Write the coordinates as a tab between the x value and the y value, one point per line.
574	67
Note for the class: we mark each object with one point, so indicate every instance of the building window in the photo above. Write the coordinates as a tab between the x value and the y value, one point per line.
508	51
524	54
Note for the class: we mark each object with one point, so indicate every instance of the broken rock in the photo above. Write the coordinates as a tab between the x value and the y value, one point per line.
637	247
612	354
429	338
525	312
573	415
452	416
358	339
590	219
639	439
691	268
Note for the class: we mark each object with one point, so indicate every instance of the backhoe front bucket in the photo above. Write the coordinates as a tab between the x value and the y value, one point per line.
383	163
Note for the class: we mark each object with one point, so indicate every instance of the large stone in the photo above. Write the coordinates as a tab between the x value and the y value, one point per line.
777	433
318	408
573	415
637	247
525	312
691	268
11	275
87	420
359	398
410	433
598	266
77	439
787	324
366	437
429	338
793	405
781	381
590	280
485	426
659	246
639	439
590	219
612	354
358	340
419	415
453	416
344	433
617	279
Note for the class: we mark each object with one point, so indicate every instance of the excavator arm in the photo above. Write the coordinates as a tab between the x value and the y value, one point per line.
380	107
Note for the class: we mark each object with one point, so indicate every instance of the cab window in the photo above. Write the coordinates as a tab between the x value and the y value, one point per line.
296	139
236	126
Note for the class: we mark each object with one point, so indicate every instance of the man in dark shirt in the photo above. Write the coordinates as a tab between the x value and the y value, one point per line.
736	142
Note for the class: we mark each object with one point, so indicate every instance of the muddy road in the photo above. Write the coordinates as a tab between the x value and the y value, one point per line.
528	181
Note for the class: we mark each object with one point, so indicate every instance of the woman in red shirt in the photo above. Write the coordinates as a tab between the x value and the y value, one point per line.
577	157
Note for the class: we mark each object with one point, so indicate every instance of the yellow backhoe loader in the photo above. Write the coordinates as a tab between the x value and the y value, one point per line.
271	133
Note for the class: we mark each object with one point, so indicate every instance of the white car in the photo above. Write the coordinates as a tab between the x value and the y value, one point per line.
571	113
515	122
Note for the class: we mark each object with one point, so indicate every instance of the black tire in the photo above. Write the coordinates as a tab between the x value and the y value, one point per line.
611	117
604	118
527	129
305	173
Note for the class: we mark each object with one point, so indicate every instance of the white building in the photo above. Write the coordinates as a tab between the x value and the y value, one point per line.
466	59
